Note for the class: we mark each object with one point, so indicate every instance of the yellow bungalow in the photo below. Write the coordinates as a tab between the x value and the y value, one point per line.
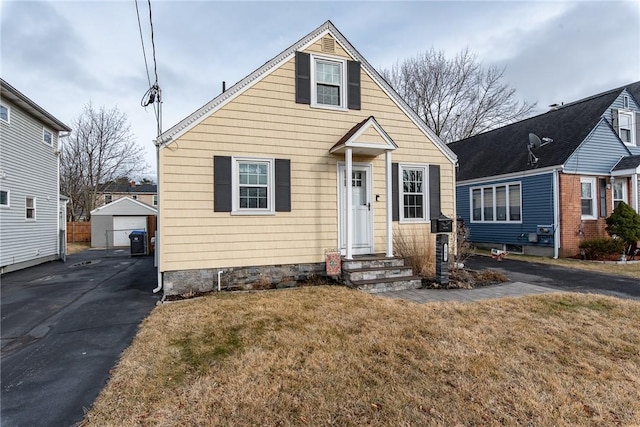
252	186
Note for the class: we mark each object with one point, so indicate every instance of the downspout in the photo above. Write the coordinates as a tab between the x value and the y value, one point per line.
157	251
556	213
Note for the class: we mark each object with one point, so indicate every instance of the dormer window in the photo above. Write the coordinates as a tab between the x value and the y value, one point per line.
329	82
625	127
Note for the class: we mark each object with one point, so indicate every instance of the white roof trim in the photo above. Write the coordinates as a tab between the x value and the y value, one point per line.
509	176
151	209
327	28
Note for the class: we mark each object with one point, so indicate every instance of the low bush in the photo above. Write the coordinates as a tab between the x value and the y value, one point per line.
601	248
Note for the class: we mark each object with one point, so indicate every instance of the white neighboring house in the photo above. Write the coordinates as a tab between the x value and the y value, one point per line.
31	224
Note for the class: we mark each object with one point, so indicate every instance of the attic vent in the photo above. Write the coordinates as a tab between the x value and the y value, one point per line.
328	45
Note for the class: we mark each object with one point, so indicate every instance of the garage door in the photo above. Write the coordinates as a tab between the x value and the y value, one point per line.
123	225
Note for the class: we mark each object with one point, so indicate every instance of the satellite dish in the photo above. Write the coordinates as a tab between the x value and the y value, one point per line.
534	141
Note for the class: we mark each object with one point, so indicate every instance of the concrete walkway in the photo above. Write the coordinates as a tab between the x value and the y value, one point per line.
510	289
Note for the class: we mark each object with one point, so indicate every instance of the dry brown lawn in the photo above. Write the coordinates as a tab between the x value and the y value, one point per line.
323	356
73	248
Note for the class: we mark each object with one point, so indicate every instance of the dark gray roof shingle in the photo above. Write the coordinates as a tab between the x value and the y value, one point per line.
504	150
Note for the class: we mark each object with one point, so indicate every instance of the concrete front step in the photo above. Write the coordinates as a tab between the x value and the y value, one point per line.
371	262
386	285
373	273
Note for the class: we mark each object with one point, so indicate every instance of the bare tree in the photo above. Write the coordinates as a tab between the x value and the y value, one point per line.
457	97
100	149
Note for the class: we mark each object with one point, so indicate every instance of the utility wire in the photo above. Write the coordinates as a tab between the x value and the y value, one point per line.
144	53
153	44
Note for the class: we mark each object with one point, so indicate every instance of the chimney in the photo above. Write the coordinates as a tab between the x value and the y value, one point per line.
133	183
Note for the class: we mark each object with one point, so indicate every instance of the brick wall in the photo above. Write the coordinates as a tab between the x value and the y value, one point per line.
573	229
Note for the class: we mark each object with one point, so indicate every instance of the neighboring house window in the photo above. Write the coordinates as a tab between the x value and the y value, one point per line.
108	198
155	200
4	113
4	198
619	192
414	193
328	82
588	197
30	211
499	203
47	137
253	186
625	126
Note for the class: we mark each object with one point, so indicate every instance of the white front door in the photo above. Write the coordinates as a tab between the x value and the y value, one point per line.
361	207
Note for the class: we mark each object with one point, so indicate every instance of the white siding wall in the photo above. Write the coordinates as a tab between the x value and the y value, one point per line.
28	168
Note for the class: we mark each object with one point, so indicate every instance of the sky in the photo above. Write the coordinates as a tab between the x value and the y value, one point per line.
65	54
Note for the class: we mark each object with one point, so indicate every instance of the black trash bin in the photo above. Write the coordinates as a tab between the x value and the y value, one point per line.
138	240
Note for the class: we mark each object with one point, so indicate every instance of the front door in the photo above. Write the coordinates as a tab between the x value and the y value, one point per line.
361	208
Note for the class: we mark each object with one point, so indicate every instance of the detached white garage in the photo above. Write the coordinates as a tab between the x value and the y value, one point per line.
111	224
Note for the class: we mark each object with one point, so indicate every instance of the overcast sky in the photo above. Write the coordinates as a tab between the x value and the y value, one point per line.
64	54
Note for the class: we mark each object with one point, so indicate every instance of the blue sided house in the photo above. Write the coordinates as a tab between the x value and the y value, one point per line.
542	185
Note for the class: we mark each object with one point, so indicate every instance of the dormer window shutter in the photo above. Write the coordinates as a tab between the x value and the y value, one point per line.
637	125
434	191
303	78
614	120
353	85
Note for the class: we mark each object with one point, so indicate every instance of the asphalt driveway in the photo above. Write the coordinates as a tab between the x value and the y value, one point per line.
566	279
63	327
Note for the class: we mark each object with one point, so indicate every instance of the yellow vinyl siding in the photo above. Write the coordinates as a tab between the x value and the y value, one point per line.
265	121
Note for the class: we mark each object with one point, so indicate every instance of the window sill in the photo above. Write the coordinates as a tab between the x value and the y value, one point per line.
329	107
589	218
253	213
414	221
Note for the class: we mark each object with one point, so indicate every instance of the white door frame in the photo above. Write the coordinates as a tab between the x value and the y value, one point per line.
343	212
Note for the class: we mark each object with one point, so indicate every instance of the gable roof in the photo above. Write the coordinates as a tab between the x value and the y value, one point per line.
504	150
14	95
628	162
327	28
350	139
125	206
113	187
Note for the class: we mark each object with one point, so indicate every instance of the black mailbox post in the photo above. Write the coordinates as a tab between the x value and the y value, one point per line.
441	226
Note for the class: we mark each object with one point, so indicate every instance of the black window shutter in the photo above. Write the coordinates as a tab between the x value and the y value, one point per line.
283	185
395	193
353	80
638	129
434	191
614	120
303	78
221	184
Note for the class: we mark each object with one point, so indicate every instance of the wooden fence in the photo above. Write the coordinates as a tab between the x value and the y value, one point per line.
79	232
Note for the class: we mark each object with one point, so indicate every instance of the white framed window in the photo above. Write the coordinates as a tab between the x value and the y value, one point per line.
47	136
413	200
588	197
619	192
625	127
328	82
5	113
497	203
4	199
108	198
252	186
155	200
30	209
